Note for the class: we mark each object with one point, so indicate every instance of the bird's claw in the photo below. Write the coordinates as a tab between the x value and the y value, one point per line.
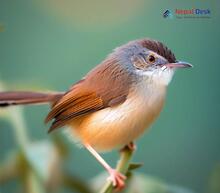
117	179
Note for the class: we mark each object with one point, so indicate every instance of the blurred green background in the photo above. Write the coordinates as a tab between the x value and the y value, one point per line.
50	44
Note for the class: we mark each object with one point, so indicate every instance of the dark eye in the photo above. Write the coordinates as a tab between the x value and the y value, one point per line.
151	59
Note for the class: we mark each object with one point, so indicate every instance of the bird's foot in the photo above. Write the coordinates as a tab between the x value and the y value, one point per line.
117	179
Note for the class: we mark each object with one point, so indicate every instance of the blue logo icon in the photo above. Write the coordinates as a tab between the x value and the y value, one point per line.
167	14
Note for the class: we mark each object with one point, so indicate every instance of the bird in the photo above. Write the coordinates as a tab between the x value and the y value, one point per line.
114	103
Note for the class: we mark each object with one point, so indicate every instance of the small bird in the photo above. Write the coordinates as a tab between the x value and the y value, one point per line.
114	103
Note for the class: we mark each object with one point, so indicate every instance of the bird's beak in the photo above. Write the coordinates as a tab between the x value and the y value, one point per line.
179	64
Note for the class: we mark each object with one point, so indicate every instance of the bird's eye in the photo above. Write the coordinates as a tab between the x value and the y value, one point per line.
151	59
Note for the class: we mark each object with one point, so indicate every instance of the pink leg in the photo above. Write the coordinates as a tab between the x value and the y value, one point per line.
116	177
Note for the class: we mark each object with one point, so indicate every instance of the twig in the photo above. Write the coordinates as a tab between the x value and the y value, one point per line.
122	167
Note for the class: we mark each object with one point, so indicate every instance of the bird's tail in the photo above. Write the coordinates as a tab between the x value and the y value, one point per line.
25	97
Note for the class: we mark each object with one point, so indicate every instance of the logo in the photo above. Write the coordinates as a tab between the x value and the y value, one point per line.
187	13
167	14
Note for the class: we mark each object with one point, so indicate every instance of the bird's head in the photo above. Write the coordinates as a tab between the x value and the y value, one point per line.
149	59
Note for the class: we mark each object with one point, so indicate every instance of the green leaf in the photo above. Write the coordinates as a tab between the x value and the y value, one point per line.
43	158
140	183
134	166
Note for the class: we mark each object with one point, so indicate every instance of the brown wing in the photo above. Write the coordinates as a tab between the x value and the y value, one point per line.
105	86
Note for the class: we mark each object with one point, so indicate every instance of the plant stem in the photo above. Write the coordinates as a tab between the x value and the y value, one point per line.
122	167
9	168
19	126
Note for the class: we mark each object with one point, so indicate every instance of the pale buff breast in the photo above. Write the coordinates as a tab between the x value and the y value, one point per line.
115	127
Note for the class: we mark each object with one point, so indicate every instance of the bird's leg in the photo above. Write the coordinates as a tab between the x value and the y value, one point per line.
116	177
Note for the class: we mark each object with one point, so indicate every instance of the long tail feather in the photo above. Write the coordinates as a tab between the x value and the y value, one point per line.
25	97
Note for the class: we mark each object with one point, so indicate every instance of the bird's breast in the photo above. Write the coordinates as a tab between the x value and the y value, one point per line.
117	126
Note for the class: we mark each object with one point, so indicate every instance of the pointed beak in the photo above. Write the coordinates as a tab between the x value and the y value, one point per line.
179	64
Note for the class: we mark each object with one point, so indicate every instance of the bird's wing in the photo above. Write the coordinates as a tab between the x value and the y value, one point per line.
73	105
102	88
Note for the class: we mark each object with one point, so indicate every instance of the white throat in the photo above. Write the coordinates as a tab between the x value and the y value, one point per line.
161	76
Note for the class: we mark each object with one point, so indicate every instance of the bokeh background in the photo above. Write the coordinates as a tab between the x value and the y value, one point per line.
50	44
